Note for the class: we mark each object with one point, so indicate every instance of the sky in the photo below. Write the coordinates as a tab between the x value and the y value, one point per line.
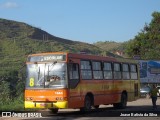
87	21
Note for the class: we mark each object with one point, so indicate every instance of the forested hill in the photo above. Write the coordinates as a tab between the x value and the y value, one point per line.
113	47
110	46
18	39
12	30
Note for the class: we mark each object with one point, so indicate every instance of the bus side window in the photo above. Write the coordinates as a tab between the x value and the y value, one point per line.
107	70
86	71
125	73
73	71
97	70
117	71
134	74
73	75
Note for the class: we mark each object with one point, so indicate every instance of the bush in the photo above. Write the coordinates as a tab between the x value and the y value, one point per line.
11	92
4	92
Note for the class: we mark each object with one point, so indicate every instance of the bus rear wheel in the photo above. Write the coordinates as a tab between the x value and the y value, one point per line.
123	102
87	105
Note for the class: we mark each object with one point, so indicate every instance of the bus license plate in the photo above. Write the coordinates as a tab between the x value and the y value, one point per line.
43	104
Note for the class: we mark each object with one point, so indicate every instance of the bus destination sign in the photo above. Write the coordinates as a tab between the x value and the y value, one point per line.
47	58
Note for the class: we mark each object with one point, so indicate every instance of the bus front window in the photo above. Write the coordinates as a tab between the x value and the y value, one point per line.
52	75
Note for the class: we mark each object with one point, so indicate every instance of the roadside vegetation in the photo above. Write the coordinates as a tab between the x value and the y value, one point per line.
147	43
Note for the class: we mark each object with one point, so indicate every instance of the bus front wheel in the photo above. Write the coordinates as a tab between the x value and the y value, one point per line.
87	105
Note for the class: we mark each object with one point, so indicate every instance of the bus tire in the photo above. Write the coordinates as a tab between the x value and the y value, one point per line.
123	102
96	106
87	105
54	110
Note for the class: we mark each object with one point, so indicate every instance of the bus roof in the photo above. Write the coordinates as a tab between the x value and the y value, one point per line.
47	53
88	56
102	58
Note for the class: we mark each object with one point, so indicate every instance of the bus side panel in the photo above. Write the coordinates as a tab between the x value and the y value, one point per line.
109	96
96	89
117	90
122	86
77	96
74	99
131	96
134	94
129	86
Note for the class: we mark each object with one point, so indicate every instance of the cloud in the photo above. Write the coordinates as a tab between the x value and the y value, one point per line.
9	5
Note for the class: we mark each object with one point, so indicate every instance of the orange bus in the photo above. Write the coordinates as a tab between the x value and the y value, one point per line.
60	80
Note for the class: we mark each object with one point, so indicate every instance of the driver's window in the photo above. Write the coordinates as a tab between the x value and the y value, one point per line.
73	75
73	71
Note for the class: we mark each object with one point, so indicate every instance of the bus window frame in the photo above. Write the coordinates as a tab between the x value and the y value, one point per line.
101	69
126	71
78	80
134	72
90	62
111	63
120	64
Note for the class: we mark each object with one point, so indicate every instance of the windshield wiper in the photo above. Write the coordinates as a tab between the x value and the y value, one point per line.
44	74
38	72
51	66
39	78
47	73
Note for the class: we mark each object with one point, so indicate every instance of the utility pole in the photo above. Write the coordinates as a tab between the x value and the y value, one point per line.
45	37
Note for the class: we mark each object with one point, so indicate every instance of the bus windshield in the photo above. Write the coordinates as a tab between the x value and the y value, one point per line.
47	75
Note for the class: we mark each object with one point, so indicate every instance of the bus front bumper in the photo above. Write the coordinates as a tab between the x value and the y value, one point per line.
30	104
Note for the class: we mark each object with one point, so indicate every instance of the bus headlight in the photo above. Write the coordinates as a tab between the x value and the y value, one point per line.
61	98
29	98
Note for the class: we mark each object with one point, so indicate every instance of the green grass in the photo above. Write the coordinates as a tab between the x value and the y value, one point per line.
13	106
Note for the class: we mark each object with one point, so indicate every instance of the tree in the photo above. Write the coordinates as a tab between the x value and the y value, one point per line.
147	42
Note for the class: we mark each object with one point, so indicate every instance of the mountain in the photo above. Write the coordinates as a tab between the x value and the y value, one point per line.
18	39
12	30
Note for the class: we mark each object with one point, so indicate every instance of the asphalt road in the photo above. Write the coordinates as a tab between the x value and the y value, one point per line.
140	109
